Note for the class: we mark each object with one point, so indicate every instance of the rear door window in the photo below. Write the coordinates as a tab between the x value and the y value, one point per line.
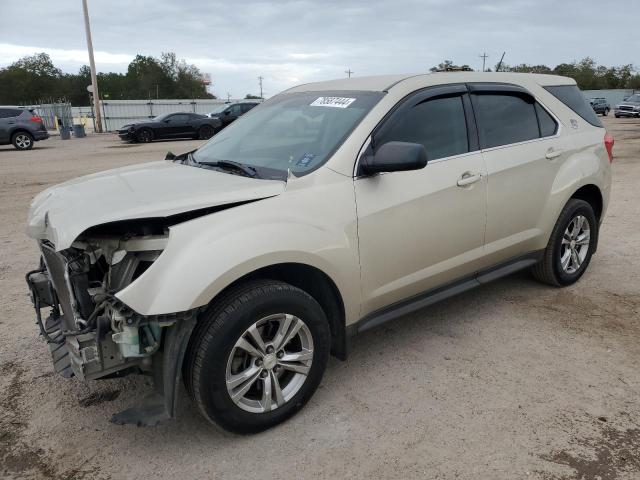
572	97
504	119
10	112
439	124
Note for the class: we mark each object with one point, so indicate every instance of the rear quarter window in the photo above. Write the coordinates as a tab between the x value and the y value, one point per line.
571	96
10	112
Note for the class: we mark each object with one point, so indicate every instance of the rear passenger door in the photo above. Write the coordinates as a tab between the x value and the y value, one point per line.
523	152
421	229
7	119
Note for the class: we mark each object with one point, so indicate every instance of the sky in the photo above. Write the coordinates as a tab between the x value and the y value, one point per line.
293	42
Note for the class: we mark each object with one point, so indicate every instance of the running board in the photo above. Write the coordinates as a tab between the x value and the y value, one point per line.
430	297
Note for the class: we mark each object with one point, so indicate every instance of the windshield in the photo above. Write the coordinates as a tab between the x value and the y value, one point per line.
633	98
218	108
295	131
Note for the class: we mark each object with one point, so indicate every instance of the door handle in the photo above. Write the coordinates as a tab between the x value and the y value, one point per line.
468	178
551	154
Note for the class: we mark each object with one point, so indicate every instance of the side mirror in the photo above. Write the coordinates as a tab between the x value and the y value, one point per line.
227	112
396	157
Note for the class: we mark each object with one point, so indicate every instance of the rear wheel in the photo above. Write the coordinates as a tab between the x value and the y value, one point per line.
570	247
257	355
205	132
145	135
22	141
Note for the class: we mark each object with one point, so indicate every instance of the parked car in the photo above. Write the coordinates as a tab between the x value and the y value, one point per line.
229	113
600	105
244	264
630	107
171	125
21	127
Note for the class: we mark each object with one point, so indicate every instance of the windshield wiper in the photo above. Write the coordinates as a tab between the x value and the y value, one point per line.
248	170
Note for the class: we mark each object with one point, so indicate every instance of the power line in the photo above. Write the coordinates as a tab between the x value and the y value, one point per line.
484	57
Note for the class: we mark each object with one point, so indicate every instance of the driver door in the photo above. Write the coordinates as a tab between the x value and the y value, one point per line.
421	229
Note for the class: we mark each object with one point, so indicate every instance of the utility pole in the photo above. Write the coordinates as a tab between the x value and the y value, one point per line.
500	62
228	97
92	65
260	81
348	72
484	57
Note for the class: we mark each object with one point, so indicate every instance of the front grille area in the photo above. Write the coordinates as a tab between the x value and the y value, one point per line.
626	108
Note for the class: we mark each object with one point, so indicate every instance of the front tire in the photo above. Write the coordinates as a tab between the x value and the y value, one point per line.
22	141
573	240
606	112
145	135
257	355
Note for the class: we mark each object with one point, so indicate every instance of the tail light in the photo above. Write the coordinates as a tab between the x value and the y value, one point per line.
608	144
36	119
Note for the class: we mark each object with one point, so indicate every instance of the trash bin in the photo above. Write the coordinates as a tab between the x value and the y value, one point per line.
78	130
65	133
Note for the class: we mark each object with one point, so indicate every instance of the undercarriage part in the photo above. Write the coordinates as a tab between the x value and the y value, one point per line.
167	367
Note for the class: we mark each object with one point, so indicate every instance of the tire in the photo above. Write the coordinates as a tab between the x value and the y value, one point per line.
606	112
22	140
552	269
617	116
215	365
205	132
145	135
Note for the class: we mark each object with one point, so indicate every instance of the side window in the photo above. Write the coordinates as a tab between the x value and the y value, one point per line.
548	125
9	112
246	107
236	110
439	124
504	119
180	118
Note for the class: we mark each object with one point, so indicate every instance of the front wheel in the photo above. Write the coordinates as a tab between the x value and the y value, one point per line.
145	135
606	112
572	243
257	355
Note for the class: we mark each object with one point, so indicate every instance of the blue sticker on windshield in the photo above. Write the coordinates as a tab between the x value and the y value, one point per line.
305	160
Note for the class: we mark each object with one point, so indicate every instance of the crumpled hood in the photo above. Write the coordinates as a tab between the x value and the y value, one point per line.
157	189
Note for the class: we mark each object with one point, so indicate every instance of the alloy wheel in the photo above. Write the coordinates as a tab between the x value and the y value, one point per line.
269	363
575	244
23	141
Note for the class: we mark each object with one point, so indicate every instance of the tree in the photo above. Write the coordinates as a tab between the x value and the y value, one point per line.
250	96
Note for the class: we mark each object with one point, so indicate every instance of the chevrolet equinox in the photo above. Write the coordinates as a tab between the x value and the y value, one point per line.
329	209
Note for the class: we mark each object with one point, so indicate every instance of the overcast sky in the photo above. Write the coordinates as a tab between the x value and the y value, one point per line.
292	42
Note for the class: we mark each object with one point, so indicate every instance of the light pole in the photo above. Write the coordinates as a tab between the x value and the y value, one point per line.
92	65
260	81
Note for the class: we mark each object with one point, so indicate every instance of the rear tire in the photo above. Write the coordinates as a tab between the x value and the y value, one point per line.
573	240
237	344
145	135
22	141
205	132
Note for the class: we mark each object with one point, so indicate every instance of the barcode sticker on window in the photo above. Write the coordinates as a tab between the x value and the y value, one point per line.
336	102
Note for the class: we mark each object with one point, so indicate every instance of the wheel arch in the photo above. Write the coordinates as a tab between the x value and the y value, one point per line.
317	284
591	194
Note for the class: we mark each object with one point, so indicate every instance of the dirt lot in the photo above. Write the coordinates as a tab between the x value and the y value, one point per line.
512	380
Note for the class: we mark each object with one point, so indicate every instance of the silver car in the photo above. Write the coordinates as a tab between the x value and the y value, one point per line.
322	213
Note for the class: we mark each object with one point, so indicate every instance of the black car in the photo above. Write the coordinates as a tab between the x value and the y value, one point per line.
600	105
228	113
171	125
21	127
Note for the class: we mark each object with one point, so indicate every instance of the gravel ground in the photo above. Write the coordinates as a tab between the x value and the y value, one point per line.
511	380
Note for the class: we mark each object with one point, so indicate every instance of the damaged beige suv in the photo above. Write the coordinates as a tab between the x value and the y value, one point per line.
325	211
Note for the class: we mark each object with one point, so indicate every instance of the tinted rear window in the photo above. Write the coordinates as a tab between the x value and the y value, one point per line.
10	112
505	119
571	96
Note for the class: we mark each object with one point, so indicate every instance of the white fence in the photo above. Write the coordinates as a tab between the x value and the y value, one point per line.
116	113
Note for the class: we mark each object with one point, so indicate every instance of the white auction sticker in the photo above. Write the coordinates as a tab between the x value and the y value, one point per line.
336	102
